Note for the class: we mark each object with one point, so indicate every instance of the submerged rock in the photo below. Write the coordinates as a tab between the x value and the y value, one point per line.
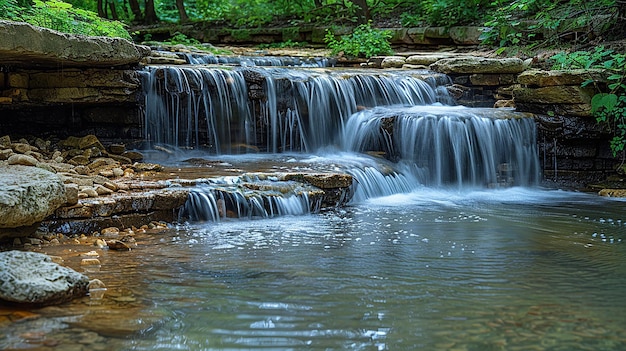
30	277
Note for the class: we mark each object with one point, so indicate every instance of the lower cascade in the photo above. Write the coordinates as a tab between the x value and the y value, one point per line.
393	133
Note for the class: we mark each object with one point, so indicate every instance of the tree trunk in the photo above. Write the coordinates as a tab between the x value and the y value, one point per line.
101	12
113	10
136	10
363	11
150	13
181	11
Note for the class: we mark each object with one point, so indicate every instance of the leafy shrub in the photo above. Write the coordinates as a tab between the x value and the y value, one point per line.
365	41
545	22
182	39
608	107
449	13
9	9
61	16
284	44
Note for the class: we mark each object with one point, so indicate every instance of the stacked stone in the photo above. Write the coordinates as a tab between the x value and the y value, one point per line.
76	180
575	146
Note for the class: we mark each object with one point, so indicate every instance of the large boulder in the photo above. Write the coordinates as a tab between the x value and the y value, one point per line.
21	43
575	77
28	195
31	277
473	64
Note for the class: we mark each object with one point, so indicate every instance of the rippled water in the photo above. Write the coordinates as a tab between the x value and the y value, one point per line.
515	269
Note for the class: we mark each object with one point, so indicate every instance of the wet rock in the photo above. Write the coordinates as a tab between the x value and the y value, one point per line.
427	59
562	94
117	149
121	159
90	262
30	277
20	159
71	194
21	148
147	167
82	143
133	155
472	64
79	160
575	77
612	192
5	141
28	195
88	191
5	154
110	231
118	245
393	62
322	180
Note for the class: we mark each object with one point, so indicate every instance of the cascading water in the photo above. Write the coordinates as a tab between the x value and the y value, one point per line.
404	116
203	59
275	110
444	145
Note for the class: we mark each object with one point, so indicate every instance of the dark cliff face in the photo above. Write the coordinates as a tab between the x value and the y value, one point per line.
56	84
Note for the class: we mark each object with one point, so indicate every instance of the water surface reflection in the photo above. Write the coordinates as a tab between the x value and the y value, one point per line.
515	269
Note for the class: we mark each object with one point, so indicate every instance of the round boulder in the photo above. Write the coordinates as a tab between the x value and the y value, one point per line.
31	277
28	195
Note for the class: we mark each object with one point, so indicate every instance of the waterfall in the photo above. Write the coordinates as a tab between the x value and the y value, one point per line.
214	202
405	118
246	61
272	109
444	145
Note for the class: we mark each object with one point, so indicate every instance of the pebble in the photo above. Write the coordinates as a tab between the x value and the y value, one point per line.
90	262
100	243
118	245
110	231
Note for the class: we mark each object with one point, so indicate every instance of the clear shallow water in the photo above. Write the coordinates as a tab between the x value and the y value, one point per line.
515	269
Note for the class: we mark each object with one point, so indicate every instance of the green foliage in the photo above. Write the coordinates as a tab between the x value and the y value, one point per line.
608	107
181	39
63	17
284	44
582	59
10	9
447	13
547	22
365	41
444	13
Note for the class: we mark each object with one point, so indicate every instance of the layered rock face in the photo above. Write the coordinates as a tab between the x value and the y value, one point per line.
51	49
573	146
90	82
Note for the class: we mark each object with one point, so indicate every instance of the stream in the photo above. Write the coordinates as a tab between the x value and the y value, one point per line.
448	243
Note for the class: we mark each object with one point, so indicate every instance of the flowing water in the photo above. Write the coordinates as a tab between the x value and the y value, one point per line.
432	269
448	243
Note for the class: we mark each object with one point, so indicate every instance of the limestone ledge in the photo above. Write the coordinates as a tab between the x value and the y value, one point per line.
24	44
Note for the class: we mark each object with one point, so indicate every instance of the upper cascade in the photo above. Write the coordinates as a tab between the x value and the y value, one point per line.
245	61
271	109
